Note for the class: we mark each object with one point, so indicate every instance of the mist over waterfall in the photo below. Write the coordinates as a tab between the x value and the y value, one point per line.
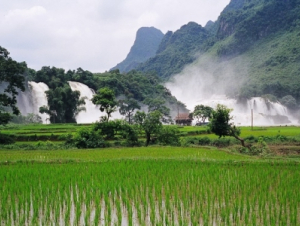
92	113
31	100
196	86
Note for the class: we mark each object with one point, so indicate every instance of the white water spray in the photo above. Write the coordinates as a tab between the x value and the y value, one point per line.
39	98
31	100
92	113
195	87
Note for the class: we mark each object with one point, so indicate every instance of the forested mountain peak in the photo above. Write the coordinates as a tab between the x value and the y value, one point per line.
176	50
257	41
145	46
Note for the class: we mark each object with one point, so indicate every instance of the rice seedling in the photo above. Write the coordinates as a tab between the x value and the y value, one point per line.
150	192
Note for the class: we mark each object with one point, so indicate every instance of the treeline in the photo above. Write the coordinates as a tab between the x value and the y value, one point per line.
64	104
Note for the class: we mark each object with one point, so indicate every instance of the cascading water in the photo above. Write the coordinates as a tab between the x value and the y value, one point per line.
39	98
265	113
92	113
31	100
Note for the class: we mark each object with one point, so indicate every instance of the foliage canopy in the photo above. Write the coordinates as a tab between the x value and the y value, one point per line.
11	81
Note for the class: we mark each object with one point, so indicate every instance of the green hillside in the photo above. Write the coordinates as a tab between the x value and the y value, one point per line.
253	47
145	46
176	50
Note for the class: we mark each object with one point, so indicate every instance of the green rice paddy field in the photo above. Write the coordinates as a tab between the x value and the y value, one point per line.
149	186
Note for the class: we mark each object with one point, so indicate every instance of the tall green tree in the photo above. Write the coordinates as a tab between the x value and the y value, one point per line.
221	126
158	104
11	79
106	100
63	105
52	76
127	108
201	113
150	123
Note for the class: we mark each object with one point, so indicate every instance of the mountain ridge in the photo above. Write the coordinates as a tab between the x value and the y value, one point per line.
265	32
145	46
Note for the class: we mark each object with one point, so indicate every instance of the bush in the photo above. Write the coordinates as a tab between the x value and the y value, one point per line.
251	139
196	141
130	134
108	129
86	138
261	148
221	142
188	141
46	145
169	135
6	139
204	141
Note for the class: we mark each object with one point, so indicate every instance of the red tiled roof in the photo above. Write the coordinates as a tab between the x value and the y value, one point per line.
183	116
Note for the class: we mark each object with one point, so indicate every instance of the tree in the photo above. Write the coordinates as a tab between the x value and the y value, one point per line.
106	100
221	126
127	107
150	123
53	77
11	79
158	104
201	113
63	105
289	101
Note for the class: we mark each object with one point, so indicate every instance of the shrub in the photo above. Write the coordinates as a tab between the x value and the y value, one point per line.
251	139
261	148
196	141
204	141
130	134
169	135
188	141
6	139
108	129
86	138
221	142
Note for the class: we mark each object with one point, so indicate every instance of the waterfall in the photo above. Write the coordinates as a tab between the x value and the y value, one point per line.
92	113
39	98
265	113
31	100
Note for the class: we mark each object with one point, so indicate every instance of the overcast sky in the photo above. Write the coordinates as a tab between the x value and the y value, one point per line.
92	34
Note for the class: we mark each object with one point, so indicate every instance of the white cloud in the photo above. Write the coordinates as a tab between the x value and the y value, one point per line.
92	34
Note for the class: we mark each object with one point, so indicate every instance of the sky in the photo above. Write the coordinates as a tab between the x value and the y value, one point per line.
92	34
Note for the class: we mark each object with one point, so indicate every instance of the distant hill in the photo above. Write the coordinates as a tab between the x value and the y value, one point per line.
176	50
145	46
257	42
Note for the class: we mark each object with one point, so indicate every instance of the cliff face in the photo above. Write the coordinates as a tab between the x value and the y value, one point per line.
145	46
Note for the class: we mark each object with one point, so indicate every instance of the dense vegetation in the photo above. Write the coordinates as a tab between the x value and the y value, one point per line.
176	50
66	174
11	81
264	141
64	104
256	42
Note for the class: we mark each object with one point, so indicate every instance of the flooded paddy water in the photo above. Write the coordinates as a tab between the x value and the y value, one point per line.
150	192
